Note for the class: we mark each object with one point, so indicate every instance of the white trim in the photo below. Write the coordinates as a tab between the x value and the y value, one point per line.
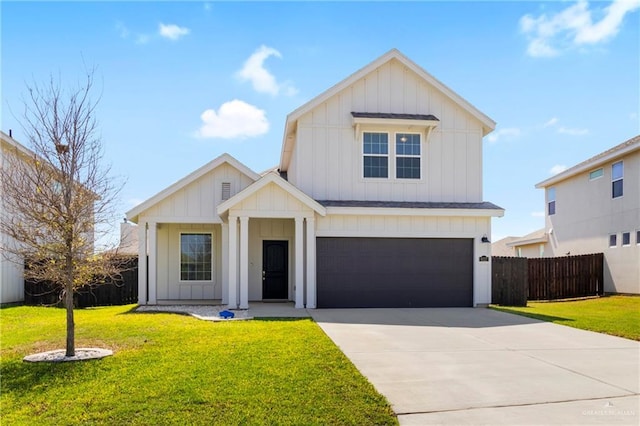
311	263
142	263
152	273
244	262
224	266
383	233
133	214
261	183
299	262
205	220
488	125
398	211
233	262
213	270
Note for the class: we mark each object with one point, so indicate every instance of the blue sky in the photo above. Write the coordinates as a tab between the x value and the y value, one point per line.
181	83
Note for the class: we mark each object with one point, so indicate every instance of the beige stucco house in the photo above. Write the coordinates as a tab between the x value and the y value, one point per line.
376	202
594	207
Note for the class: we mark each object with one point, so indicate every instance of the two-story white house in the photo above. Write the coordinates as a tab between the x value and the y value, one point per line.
594	207
377	202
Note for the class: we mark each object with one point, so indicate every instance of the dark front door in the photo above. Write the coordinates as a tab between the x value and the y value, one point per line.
275	269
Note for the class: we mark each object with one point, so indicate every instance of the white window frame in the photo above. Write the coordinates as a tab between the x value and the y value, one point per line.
388	156
180	257
396	156
601	173
614	180
391	156
613	238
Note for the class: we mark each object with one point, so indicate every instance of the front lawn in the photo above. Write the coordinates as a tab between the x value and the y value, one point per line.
174	369
616	315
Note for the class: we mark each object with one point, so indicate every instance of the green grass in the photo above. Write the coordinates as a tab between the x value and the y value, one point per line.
174	369
616	315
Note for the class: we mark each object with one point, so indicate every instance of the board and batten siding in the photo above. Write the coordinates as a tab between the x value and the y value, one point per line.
326	162
388	226
169	286
198	200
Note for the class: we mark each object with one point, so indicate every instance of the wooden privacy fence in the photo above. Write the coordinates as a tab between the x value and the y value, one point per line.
122	291
516	280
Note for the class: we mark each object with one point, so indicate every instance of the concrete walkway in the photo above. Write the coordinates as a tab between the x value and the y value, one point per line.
479	366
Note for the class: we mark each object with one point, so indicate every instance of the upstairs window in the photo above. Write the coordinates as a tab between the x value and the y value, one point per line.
596	174
376	155
551	201
626	238
617	175
613	240
408	156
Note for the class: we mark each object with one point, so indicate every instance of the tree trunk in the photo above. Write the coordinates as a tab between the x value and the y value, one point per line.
68	301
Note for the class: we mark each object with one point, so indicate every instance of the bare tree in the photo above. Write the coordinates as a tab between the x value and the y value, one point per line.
59	198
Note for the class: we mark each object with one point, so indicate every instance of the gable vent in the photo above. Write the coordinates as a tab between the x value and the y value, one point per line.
226	190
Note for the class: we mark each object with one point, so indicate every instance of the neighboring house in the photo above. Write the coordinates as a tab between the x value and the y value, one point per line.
128	239
535	244
377	202
11	269
502	249
594	207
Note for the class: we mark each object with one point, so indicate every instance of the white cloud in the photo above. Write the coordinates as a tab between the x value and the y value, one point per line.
558	168
537	214
122	30
572	131
574	26
508	133
261	79
142	39
551	122
172	31
234	119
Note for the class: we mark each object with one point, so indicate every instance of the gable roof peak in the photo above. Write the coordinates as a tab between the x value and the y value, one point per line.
488	125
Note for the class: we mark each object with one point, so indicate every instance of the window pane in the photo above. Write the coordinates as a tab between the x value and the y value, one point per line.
626	238
376	167
617	171
195	257
376	143
407	144
408	168
596	174
637	237
552	208
616	188
551	194
613	240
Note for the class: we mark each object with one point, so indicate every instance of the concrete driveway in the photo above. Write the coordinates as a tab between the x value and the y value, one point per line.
479	366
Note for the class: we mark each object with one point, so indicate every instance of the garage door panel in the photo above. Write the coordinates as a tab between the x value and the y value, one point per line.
394	272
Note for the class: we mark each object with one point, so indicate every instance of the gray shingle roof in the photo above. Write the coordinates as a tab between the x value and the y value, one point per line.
391	115
485	205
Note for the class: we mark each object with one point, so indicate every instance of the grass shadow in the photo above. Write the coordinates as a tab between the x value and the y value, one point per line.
542	317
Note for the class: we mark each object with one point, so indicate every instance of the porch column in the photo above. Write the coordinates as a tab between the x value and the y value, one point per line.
311	263
142	263
224	267
299	264
244	262
153	261
233	262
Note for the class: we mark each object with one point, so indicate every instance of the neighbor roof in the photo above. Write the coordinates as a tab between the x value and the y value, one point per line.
539	236
614	153
288	141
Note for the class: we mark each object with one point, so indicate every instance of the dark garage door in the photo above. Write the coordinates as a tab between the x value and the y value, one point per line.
394	272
